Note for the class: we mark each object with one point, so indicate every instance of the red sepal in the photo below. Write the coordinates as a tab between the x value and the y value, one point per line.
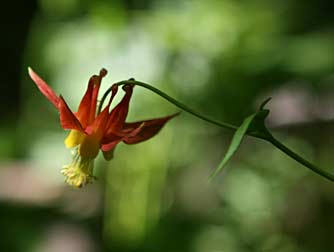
44	88
145	129
67	119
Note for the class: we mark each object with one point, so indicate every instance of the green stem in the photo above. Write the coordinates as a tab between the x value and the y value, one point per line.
299	159
264	134
170	99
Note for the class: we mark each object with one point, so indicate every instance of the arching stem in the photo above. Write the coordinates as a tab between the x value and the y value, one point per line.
263	134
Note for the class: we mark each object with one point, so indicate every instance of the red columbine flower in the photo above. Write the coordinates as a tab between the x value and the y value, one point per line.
93	130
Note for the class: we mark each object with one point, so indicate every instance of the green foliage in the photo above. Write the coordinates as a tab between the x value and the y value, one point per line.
235	143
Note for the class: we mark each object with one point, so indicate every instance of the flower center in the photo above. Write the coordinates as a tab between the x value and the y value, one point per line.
80	171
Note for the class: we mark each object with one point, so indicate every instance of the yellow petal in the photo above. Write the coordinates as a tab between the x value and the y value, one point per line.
74	138
89	147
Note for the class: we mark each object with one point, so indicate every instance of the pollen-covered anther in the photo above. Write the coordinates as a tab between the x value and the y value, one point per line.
80	172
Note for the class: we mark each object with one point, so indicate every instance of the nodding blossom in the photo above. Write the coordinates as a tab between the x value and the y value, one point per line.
92	130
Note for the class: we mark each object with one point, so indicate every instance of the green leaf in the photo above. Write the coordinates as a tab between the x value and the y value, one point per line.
264	103
235	143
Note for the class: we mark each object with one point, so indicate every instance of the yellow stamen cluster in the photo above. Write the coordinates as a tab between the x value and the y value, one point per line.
80	171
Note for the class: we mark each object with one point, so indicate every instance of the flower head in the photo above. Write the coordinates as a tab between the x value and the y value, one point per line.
93	130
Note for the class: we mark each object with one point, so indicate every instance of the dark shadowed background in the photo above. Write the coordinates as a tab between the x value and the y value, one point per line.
221	58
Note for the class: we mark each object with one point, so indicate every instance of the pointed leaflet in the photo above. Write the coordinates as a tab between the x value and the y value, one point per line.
235	143
44	87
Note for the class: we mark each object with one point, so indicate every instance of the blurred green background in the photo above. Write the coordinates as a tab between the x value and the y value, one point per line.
221	58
